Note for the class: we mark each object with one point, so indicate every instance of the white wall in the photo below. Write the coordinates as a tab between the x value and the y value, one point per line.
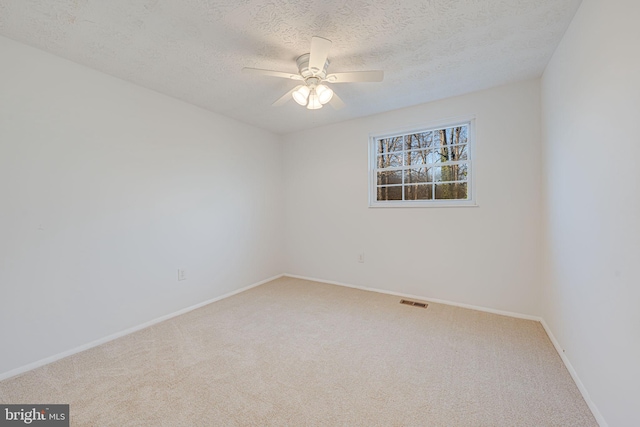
408	250
106	189
591	123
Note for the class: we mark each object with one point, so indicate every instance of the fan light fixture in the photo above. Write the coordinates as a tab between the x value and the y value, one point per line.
313	98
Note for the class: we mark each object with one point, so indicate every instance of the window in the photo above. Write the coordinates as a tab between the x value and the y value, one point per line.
426	167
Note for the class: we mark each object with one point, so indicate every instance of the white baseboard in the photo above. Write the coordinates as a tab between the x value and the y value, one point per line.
585	394
51	359
434	300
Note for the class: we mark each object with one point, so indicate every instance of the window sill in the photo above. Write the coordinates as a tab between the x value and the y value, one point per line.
410	204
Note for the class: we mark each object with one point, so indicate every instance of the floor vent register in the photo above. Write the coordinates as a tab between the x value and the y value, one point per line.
414	303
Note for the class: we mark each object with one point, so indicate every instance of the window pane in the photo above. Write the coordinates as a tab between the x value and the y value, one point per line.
459	152
418	141
444	154
390	193
389	160
451	173
412	141
453	191
441	138
453	135
416	157
418	175
396	143
463	136
389	177
386	145
418	192
437	156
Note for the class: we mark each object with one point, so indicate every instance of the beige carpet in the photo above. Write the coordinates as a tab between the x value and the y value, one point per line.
299	353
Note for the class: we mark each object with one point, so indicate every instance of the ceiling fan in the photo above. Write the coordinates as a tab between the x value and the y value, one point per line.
312	72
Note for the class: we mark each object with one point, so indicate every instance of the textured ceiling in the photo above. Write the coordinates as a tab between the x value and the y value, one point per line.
194	49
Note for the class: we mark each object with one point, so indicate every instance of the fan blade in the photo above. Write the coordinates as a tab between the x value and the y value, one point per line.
355	77
336	102
285	98
272	73
318	54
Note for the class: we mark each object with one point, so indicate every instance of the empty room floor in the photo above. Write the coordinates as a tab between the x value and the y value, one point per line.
298	353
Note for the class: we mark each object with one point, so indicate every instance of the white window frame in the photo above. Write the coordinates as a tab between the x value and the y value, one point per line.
436	125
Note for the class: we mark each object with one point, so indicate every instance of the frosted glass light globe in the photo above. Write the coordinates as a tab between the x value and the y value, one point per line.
301	95
324	94
314	102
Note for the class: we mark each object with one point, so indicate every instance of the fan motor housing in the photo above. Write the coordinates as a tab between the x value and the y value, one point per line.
303	67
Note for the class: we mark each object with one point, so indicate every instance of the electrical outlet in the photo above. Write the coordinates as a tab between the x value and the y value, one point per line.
182	274
360	257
